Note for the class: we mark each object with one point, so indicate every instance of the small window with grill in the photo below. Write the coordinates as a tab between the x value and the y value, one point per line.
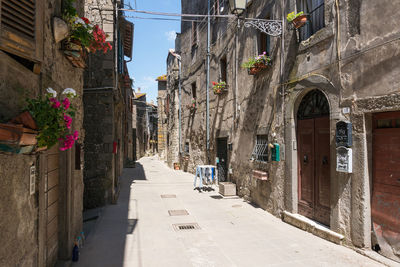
260	151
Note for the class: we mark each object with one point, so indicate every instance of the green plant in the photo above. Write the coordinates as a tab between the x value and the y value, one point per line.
53	119
218	87
291	16
92	37
260	59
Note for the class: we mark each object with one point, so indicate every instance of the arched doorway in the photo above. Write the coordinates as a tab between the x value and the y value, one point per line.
314	157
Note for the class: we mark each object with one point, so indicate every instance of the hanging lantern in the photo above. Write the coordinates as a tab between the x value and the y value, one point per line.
237	6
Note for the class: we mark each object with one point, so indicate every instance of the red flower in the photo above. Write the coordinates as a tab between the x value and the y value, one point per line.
85	20
214	83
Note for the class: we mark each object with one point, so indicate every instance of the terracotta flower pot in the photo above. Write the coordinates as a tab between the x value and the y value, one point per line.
299	21
253	70
16	134
26	120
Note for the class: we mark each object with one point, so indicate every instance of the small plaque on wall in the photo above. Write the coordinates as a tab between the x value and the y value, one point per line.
344	134
344	159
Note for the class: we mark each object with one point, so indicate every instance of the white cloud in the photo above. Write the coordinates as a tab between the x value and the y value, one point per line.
170	35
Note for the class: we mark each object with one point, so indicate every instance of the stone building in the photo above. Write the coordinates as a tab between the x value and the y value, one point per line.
152	128
140	129
274	133
172	106
162	115
107	101
40	192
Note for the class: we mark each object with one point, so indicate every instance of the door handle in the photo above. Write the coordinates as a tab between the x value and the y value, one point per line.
324	160
305	159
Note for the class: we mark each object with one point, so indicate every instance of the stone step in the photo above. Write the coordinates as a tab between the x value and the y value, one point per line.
311	226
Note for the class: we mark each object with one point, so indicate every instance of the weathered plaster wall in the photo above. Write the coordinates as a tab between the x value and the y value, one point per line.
19	223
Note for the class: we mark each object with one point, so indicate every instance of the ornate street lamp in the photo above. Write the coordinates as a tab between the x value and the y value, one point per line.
237	6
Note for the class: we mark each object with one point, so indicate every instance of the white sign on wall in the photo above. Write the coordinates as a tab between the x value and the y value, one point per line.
344	159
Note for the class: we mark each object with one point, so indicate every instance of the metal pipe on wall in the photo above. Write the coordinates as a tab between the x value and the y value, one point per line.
208	81
180	104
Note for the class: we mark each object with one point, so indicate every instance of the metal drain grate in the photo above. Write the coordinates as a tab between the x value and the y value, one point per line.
186	226
168	196
178	212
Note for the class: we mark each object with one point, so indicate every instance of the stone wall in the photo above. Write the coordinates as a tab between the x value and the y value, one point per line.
98	122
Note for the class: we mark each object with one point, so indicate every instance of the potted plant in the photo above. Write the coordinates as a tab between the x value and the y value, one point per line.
220	87
298	20
255	64
54	119
192	105
83	37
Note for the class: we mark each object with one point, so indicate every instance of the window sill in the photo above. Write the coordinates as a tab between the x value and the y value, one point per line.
318	37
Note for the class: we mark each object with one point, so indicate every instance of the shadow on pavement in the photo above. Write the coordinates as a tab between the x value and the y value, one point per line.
105	245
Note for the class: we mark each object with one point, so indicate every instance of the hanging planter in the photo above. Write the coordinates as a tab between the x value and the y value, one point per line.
257	64
192	106
219	88
298	20
83	37
75	53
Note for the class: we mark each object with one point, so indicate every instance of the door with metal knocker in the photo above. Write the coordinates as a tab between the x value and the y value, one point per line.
314	157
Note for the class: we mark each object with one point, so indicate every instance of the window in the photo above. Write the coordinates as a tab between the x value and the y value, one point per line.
223	69
264	44
19	28
315	9
193	90
194	33
260	151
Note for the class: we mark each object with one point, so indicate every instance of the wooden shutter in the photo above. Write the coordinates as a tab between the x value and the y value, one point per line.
20	28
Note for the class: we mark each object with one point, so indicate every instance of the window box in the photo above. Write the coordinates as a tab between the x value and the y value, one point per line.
75	53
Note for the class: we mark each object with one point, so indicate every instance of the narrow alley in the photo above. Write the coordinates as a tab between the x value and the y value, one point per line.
139	231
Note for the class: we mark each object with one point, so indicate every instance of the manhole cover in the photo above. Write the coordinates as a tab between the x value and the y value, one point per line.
178	212
186	226
168	196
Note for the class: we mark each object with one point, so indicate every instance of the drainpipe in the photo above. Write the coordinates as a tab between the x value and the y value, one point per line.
236	72
180	104
208	81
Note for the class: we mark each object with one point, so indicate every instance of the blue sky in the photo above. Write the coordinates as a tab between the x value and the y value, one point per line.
151	42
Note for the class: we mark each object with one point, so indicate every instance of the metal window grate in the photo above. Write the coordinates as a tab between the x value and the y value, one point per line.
260	151
19	16
315	9
186	226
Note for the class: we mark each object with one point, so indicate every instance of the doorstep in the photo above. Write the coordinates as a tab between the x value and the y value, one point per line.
311	226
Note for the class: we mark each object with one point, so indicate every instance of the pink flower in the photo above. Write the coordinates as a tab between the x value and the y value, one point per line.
76	135
56	103
68	121
68	142
66	103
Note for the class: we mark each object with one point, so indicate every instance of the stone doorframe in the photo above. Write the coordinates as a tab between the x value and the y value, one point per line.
295	94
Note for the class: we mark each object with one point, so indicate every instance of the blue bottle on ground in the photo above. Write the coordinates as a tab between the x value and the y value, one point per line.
75	253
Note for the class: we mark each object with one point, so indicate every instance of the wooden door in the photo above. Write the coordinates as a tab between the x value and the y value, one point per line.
49	204
386	179
314	169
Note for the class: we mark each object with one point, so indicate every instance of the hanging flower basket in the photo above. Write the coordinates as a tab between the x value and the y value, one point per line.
75	53
257	64
192	106
298	20
219	88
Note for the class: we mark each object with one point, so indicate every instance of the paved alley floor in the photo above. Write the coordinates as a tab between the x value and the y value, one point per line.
139	230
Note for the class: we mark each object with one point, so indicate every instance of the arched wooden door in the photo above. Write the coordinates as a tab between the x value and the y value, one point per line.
314	157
